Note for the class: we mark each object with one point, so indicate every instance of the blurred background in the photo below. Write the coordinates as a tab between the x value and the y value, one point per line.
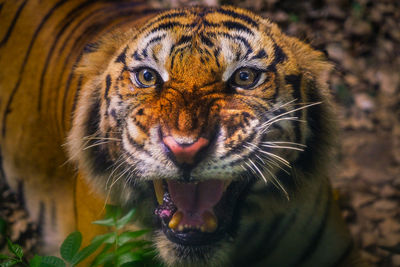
362	39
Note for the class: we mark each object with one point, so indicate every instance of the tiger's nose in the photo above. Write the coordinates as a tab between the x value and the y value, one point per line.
185	153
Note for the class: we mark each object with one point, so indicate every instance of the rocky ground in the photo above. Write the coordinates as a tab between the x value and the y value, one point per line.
362	39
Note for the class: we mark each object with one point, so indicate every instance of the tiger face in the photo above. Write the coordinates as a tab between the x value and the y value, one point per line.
190	113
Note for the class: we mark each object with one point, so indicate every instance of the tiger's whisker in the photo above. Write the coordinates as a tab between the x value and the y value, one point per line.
102	138
274	178
284	142
96	144
283	147
259	171
272	155
294	110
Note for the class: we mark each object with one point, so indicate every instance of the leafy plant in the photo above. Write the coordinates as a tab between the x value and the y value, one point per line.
117	248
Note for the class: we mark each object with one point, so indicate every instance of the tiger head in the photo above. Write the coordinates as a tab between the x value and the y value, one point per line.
186	116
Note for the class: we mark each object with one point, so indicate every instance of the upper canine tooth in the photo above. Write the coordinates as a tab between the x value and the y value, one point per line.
159	189
175	220
210	221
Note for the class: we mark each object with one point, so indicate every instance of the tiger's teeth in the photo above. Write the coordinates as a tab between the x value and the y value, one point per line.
175	220
159	189
210	222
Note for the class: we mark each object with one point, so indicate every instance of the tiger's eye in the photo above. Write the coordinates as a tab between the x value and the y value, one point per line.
146	77
245	78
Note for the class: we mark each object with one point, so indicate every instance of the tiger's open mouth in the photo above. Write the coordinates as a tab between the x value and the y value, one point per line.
197	213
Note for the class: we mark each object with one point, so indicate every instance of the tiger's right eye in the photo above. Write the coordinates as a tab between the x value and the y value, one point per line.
147	77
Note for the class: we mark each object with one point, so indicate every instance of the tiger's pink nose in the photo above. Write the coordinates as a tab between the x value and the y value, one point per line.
185	153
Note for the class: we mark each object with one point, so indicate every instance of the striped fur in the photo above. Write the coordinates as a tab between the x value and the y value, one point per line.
276	135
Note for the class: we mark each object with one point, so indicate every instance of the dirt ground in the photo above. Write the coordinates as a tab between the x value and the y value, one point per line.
362	39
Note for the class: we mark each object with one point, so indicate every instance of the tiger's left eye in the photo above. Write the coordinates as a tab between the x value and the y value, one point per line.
245	78
146	77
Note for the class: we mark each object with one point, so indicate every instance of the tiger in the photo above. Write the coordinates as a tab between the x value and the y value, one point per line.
210	121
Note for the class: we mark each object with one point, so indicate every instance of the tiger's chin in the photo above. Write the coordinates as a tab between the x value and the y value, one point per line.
197	220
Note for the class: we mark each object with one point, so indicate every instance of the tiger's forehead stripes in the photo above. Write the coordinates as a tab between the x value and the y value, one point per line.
212	41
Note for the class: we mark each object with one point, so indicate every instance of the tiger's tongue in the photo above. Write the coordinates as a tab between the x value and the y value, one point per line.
195	203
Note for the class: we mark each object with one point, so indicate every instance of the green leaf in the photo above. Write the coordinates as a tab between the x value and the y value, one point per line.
127	236
51	261
35	261
4	257
9	263
113	211
132	245
71	246
86	252
108	238
128	257
105	222
102	257
124	220
15	249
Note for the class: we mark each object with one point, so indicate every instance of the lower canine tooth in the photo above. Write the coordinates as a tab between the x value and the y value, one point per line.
158	188
210	221
175	220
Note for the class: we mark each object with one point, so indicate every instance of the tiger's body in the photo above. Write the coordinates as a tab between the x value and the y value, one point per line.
216	102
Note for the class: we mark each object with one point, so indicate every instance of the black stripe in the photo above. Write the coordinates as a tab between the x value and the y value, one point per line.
2	173
232	25
136	56
260	54
90	48
316	237
279	57
25	61
184	39
13	22
108	84
163	17
240	39
122	57
170	25
41	218
21	193
153	40
100	158
207	23
78	90
316	141
295	82
235	15
136	145
239	148
216	52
